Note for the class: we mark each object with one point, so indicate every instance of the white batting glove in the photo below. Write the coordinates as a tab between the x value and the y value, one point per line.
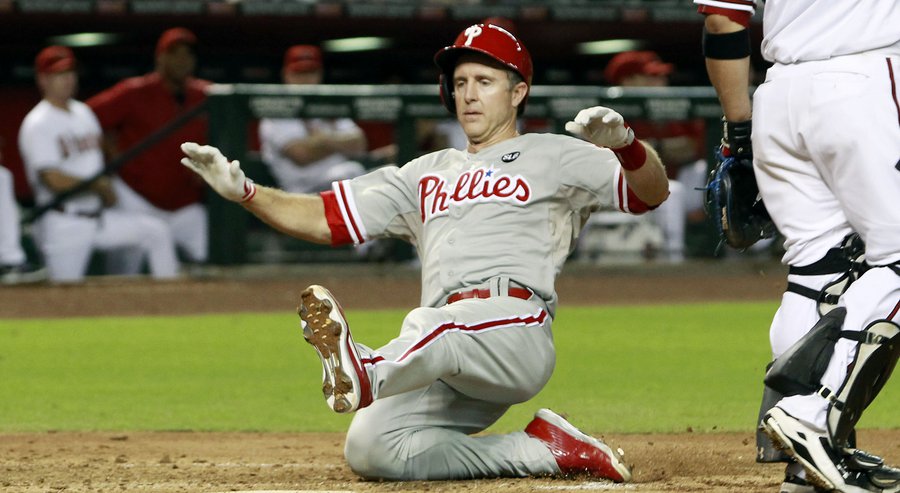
602	126
226	178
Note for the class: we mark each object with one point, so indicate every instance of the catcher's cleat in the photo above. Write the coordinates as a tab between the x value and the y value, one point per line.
825	468
794	484
345	382
879	474
575	452
885	477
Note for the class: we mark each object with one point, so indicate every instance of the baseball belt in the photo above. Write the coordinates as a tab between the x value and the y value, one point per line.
521	293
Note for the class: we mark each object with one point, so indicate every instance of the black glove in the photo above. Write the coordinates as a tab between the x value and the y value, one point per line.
732	196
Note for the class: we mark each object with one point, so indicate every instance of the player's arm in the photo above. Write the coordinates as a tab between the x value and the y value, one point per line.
648	181
59	182
643	169
299	215
319	145
726	47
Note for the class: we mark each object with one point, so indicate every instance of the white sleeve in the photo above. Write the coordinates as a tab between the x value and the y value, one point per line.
346	125
38	146
597	172
377	204
279	132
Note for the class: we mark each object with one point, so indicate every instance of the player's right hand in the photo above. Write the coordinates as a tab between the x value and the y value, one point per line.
226	178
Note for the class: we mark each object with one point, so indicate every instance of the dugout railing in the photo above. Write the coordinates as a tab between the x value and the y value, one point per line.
233	108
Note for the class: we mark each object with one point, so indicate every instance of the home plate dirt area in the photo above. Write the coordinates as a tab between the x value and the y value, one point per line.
301	462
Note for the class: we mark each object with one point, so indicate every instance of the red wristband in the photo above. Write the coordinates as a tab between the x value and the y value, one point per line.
249	190
632	156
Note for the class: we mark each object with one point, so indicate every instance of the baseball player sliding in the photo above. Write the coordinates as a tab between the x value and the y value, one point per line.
825	150
493	225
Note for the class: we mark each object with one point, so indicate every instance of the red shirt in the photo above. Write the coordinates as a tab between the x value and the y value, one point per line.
136	107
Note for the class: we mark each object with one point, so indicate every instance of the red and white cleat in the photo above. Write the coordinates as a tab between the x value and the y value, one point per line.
577	453
345	382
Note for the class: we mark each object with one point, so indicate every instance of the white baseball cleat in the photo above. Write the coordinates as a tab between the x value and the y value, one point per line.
345	382
825	468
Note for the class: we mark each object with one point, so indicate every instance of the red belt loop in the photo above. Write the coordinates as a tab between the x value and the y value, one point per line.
521	293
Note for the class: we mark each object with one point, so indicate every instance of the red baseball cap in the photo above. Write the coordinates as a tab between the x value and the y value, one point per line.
302	58
629	63
54	59
503	22
173	36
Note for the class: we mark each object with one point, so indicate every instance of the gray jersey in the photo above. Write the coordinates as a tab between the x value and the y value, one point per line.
514	210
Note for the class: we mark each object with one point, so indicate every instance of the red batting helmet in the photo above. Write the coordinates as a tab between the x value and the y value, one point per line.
490	40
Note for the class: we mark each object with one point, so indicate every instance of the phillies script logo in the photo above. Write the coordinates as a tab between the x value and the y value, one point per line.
475	185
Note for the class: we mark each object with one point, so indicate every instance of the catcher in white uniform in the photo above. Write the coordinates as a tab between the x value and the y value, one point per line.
60	145
826	154
493	225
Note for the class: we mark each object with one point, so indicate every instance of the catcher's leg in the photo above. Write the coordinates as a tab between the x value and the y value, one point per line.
829	416
813	290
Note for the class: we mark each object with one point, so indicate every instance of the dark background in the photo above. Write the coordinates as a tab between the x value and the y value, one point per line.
244	41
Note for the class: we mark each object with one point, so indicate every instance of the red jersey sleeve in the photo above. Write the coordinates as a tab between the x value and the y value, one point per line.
742	17
340	234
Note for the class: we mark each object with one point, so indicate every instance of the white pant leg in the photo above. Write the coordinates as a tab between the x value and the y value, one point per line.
818	178
475	345
425	434
797	314
190	228
148	235
66	243
11	252
189	225
693	178
801	204
671	217
874	296
861	166
450	373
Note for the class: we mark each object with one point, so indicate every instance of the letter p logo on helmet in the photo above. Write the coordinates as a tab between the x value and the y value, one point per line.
471	33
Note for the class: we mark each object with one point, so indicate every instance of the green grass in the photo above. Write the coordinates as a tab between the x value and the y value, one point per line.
619	369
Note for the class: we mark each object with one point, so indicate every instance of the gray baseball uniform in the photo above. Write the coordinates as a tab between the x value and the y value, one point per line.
502	219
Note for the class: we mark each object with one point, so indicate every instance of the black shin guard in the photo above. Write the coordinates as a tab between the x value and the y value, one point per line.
766	452
800	369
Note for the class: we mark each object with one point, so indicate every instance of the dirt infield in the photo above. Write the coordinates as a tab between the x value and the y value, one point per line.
219	462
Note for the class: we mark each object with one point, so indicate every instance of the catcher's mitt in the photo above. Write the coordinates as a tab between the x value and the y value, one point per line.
732	196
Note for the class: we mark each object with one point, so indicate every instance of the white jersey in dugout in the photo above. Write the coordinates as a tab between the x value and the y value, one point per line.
51	137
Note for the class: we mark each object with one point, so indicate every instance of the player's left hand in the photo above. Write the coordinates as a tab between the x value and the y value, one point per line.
226	178
602	126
